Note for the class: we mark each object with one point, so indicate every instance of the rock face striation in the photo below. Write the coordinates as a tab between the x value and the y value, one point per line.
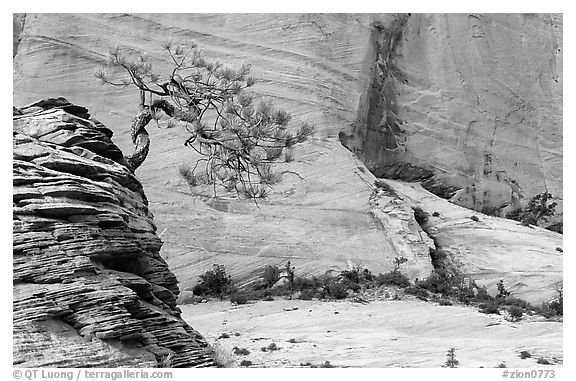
90	287
468	105
471	105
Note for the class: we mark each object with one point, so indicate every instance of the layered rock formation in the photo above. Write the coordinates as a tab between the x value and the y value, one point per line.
90	288
417	97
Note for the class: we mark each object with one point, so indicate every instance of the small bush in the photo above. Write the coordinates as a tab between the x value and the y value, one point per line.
271	348
435	214
436	283
515	215
557	305
489	308
515	313
214	282
224	336
239	298
268	298
451	361
240	351
395	278
525	355
501	365
543	361
557	227
166	361
474	218
420	215
335	290
418	292
516	302
482	294
271	275
312	284
246	363
289	270
199	290
502	292
444	302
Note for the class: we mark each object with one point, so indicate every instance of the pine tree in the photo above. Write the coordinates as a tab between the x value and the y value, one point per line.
237	137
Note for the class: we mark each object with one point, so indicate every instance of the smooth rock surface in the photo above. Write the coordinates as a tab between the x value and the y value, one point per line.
90	288
402	333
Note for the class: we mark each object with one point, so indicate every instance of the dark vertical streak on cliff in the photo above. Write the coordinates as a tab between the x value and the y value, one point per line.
378	126
18	20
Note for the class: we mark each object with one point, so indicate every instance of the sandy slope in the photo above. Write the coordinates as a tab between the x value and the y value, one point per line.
377	334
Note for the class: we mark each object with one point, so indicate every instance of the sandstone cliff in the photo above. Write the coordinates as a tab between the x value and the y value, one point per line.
90	288
418	97
469	104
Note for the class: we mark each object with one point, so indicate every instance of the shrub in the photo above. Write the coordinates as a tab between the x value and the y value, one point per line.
271	275
420	215
436	214
525	355
239	298
200	289
516	302
240	351
482	294
489	308
515	215
311	284
557	227
292	341
334	290
557	305
418	292
246	363
444	302
289	270
353	276
539	206
501	365
502	292
474	218
451	361
224	336
270	348
215	282
395	278
543	361
166	361
268	298
515	313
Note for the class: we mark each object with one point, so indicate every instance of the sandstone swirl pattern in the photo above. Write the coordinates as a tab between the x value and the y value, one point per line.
90	288
472	100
